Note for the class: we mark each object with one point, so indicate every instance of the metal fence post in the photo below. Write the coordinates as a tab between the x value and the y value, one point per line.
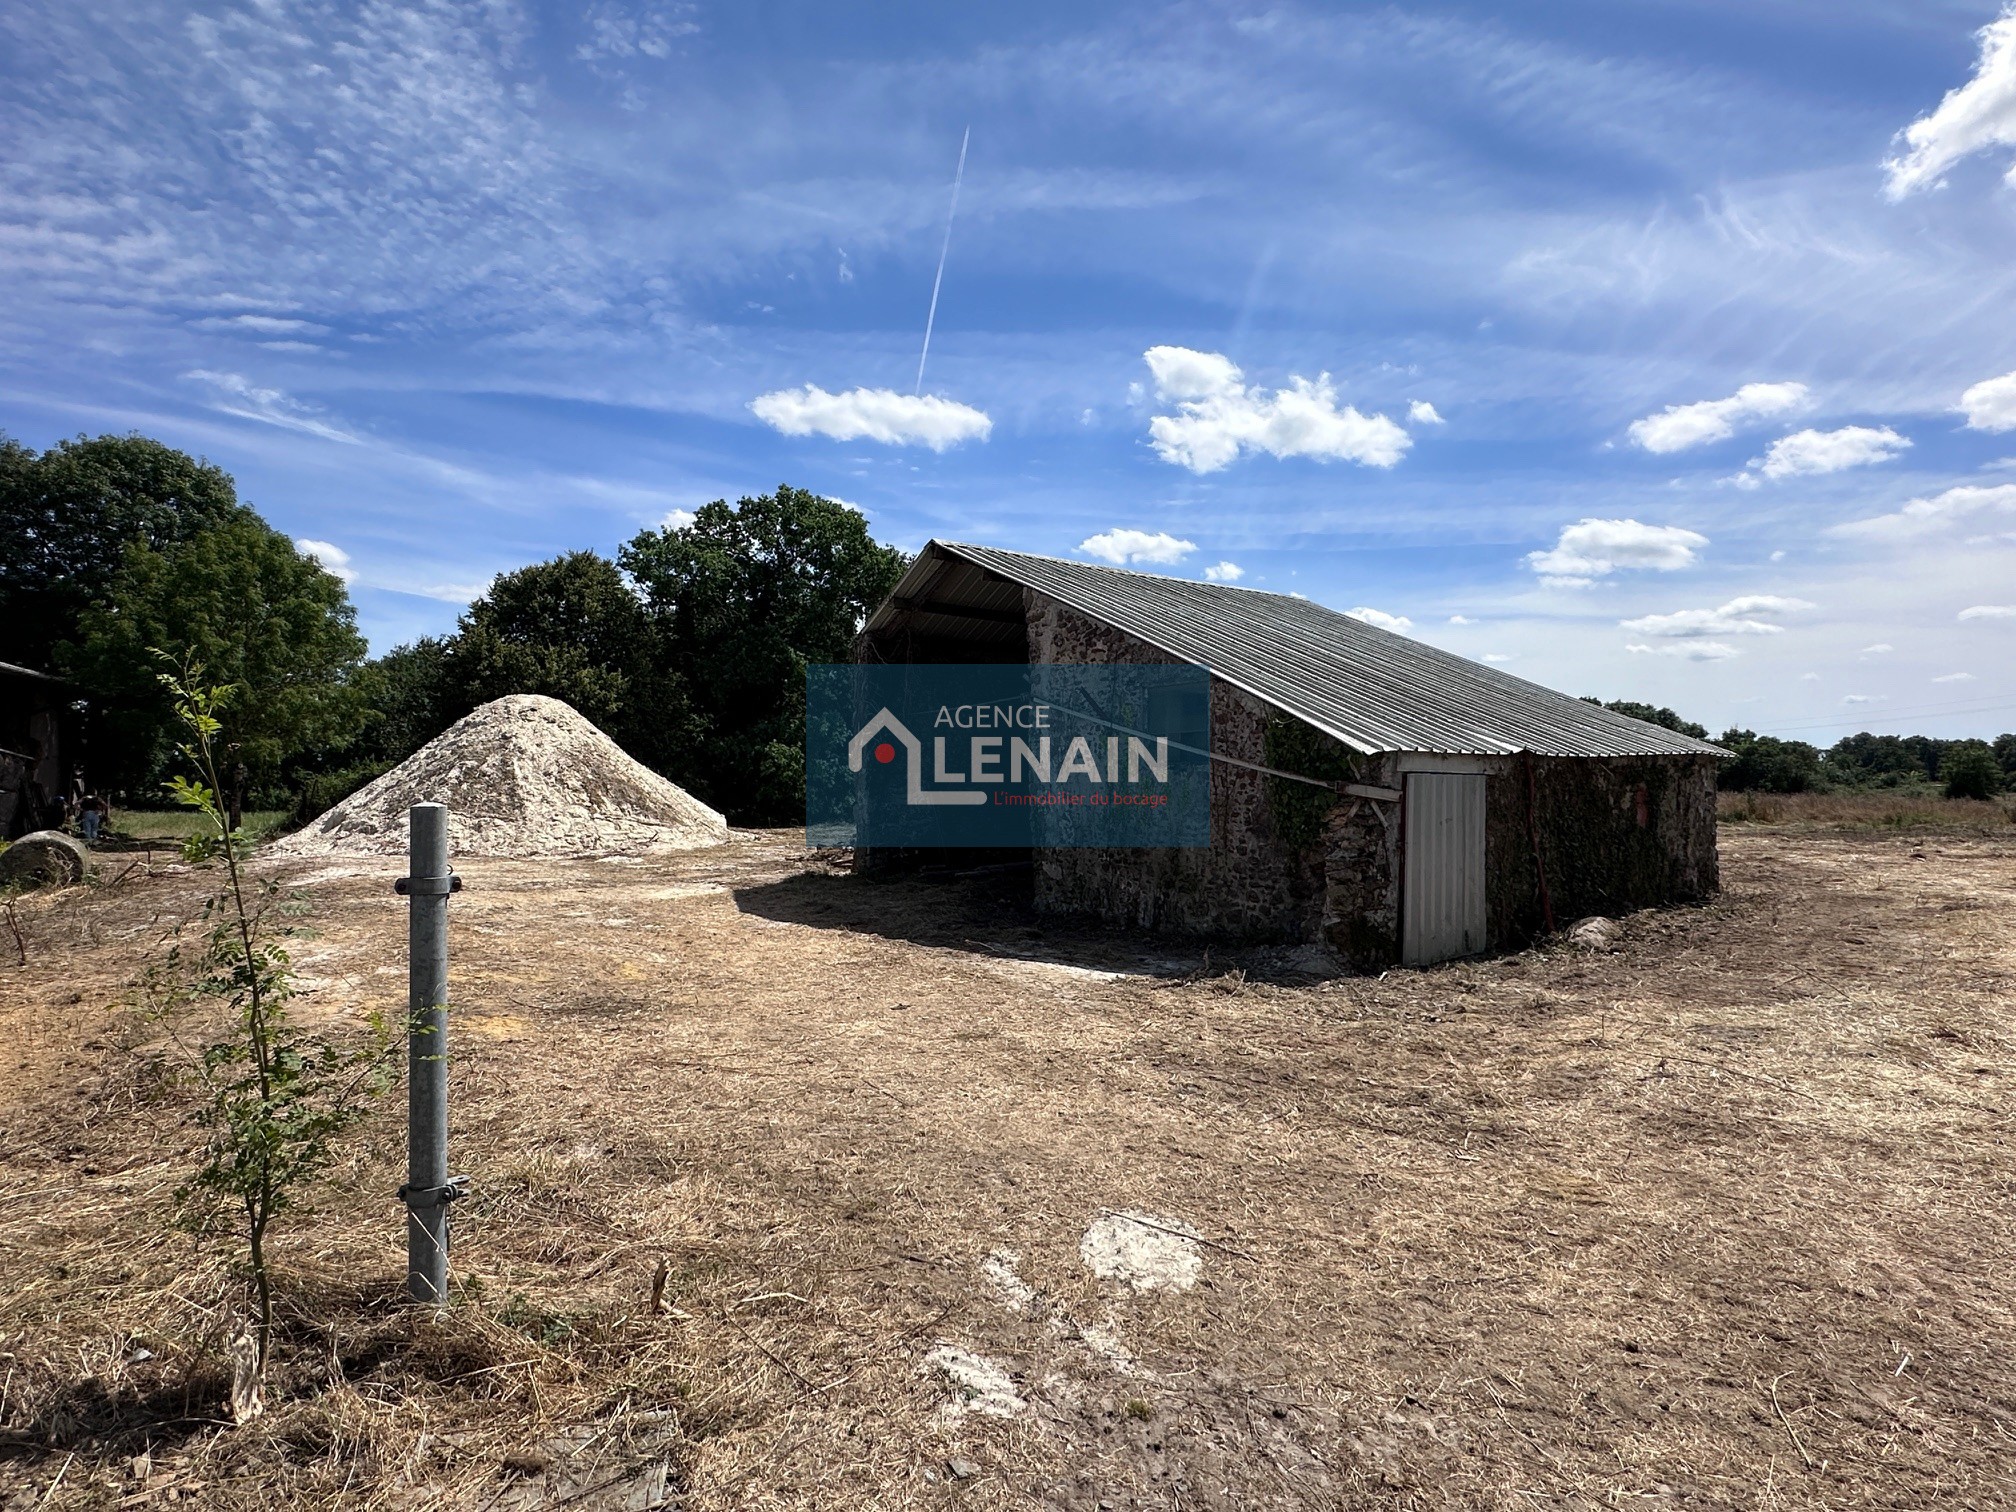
429	1188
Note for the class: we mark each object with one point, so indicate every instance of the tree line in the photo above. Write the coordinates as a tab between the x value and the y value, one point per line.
688	648
1769	764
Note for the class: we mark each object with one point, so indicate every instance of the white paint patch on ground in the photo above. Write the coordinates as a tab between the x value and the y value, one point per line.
1000	1270
1103	1342
1141	1250
984	1386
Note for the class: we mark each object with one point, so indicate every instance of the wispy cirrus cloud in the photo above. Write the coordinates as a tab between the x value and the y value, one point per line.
872	415
235	394
1220	417
1987	612
331	558
1977	116
1681	427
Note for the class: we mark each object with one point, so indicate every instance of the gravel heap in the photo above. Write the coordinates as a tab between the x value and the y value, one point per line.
523	776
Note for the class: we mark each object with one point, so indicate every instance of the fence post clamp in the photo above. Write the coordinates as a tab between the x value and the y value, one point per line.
432	1197
427	887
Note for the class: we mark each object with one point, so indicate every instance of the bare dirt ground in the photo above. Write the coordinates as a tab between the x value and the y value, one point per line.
1725	1218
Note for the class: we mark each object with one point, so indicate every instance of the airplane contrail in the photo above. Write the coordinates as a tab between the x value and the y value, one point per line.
932	318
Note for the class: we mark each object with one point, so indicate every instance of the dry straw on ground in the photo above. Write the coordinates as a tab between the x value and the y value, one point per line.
1720	1219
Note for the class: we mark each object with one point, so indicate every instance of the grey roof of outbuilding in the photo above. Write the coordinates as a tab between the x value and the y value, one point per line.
1372	689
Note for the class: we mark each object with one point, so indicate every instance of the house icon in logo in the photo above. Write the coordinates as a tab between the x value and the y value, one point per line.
914	749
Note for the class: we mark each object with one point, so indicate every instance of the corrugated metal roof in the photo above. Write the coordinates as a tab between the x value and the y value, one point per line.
1375	691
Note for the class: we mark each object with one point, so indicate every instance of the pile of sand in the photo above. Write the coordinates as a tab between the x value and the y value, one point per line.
523	776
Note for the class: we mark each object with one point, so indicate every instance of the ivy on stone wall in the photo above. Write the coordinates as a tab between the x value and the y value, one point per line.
1299	809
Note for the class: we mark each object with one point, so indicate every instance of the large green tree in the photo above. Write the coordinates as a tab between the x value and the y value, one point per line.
257	615
741	599
572	629
67	517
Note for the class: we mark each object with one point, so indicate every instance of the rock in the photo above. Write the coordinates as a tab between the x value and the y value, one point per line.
962	1469
44	858
1594	933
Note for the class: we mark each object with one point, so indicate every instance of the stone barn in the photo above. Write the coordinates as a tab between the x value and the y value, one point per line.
1369	794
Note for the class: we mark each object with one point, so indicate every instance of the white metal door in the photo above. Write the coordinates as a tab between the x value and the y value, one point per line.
1442	901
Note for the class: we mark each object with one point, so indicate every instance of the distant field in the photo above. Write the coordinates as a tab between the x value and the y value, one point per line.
1877	811
158	825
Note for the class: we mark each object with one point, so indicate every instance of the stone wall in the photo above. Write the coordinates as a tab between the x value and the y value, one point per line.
1361	871
1249	884
1616	834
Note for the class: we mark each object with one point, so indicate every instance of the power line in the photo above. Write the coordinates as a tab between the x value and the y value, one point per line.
932	319
1894	715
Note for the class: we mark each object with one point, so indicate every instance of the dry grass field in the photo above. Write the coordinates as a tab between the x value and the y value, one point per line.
1725	1218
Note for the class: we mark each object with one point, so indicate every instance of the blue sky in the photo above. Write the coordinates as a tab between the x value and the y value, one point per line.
1648	351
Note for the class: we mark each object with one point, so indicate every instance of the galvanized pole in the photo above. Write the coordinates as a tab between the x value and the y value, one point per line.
429	1189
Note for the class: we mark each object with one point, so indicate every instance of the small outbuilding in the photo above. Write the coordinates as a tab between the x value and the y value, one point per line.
1370	794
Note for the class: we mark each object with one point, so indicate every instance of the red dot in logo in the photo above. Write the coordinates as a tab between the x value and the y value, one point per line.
885	753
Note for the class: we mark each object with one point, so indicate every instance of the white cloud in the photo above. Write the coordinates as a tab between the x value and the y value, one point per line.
872	414
1421	412
1399	624
1989	611
1955	677
1123	546
1224	572
1220	417
1497	656
238	395
1809	677
331	558
1925	516
1881	648
1862	698
1978	115
1991	406
1807	452
1590	549
616	31
1681	426
453	593
1737	617
1691	650
265	325
1461	619
676	519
